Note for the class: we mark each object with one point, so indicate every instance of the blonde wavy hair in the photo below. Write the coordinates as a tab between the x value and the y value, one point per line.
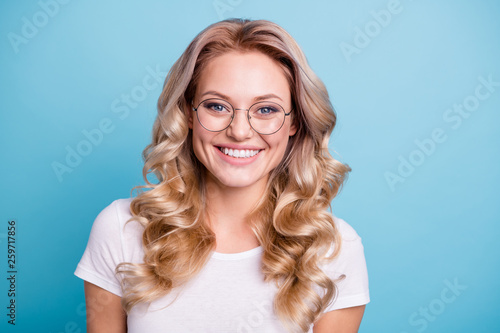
292	221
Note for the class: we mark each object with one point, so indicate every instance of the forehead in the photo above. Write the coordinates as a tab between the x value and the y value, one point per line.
244	76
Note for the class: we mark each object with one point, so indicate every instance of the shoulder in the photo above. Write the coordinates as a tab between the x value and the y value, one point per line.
112	241
113	216
119	208
110	228
346	231
348	268
351	243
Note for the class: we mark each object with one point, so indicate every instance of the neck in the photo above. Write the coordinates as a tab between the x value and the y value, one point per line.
228	209
232	202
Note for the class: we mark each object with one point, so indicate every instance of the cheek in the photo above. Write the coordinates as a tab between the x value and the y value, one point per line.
201	141
280	145
197	145
284	141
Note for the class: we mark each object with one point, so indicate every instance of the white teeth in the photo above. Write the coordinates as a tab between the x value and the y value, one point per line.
239	153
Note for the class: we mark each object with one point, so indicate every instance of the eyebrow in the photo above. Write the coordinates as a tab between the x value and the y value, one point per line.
258	98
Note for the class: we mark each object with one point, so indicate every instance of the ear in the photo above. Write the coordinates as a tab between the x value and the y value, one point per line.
189	112
293	128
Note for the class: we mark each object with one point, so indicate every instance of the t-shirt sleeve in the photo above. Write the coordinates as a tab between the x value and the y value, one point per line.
104	251
352	290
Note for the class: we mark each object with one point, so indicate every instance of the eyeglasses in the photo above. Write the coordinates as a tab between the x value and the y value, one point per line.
216	115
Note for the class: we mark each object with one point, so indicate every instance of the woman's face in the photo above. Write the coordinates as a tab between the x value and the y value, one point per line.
241	79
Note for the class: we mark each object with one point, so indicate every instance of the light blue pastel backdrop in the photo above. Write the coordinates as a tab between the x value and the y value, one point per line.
416	88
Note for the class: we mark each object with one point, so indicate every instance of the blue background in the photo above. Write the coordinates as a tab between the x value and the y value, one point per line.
437	224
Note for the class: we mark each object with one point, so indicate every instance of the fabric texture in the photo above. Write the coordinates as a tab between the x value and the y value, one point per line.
229	294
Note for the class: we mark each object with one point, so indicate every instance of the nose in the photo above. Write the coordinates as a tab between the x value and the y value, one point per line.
240	128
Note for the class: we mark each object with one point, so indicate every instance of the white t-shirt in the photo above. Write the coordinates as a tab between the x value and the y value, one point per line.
228	295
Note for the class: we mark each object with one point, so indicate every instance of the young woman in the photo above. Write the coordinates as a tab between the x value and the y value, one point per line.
235	236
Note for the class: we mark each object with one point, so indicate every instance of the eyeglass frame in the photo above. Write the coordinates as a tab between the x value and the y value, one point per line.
234	112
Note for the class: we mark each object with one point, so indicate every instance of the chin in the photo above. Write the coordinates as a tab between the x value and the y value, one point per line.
236	182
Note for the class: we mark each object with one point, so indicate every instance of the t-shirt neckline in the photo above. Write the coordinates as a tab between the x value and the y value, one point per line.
237	256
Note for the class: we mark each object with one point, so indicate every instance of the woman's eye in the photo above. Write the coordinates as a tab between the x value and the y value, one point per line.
216	107
267	110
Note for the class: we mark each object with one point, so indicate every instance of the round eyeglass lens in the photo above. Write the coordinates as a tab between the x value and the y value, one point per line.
215	114
266	117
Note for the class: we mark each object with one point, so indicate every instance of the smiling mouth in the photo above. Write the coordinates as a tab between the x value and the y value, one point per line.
239	153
